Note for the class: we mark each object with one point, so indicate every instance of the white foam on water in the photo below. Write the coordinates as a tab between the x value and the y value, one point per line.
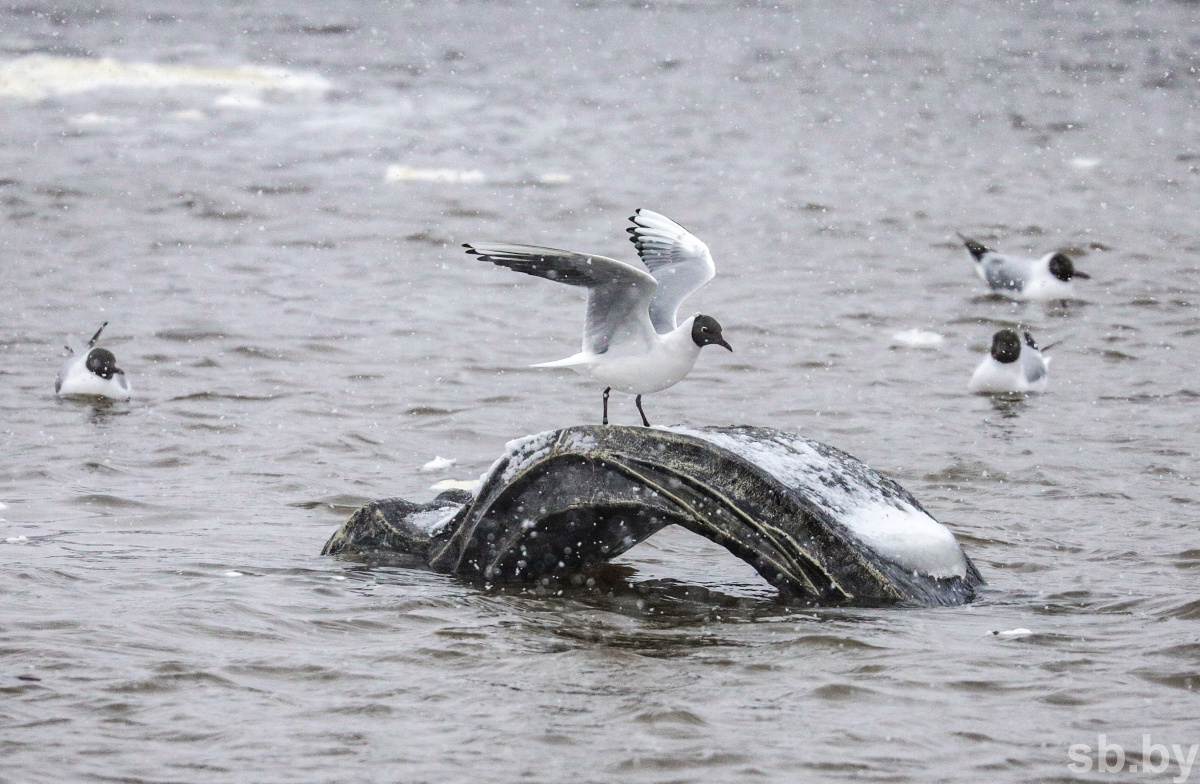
39	76
17	540
232	573
397	173
438	463
895	529
918	338
1084	163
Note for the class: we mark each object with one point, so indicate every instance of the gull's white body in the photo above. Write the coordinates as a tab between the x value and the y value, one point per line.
631	341
1027	374
1022	278
76	380
662	364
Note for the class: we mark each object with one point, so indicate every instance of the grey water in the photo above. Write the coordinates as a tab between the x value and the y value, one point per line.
303	333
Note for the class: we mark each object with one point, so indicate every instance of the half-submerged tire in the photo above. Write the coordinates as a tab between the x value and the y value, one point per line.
811	519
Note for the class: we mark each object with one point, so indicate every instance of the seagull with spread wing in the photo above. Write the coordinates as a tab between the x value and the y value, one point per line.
631	341
1050	277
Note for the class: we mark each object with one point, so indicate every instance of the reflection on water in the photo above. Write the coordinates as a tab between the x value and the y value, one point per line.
1009	406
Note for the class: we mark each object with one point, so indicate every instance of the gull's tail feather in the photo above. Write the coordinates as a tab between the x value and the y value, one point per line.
575	360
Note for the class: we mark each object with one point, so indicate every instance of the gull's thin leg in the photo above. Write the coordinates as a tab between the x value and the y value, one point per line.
645	421
605	420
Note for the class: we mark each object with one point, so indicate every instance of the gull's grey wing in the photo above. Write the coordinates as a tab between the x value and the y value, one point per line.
619	294
1005	272
997	270
1032	363
678	260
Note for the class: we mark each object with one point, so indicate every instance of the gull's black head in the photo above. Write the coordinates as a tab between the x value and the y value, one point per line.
1062	268
1006	346
707	332
102	362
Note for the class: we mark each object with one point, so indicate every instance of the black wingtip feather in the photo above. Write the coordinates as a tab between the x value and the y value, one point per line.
96	337
977	250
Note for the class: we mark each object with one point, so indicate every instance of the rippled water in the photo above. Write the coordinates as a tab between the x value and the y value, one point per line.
303	335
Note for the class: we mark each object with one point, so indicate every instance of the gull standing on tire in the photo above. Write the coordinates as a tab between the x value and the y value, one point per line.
631	341
1011	366
1015	277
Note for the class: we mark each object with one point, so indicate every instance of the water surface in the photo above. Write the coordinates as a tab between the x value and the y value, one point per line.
303	334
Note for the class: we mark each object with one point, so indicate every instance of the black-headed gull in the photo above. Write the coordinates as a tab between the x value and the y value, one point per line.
631	341
1017	277
1011	366
92	372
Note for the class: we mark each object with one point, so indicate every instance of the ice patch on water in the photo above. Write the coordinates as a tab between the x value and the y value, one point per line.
892	527
470	485
409	174
438	463
238	100
402	173
918	338
432	521
94	119
38	76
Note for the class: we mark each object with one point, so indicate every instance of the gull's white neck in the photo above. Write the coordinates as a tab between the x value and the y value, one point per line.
679	340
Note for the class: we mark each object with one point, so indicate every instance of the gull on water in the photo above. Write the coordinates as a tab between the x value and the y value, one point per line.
92	372
1011	366
631	341
1017	277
